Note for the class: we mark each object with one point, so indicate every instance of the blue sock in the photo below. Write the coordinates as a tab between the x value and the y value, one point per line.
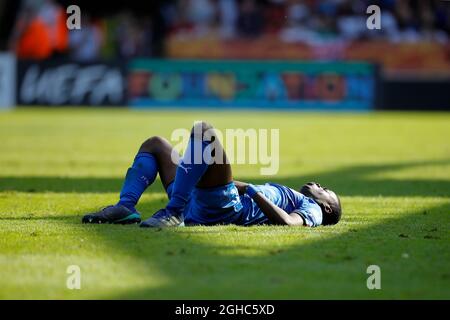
190	169
139	176
169	190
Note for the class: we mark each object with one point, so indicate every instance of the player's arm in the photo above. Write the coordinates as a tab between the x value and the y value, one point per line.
241	186
275	214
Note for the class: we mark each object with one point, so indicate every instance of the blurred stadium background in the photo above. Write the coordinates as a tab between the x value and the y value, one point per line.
114	59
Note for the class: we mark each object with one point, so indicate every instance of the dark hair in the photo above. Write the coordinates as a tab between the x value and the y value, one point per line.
335	215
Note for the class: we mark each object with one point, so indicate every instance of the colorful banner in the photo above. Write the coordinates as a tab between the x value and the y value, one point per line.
262	84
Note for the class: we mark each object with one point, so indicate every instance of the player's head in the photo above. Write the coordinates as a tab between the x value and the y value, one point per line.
327	200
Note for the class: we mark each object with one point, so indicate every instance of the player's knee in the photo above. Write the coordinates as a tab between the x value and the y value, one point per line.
206	126
201	127
153	144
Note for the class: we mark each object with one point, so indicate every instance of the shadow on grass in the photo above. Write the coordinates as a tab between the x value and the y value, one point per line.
36	218
347	181
329	262
331	267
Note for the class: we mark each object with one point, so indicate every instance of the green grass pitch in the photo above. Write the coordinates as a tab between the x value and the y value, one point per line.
392	171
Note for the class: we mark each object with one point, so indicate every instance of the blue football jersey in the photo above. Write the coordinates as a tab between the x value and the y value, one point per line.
283	197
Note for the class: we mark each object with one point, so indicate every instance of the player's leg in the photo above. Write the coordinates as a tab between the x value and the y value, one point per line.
219	172
166	158
197	168
153	156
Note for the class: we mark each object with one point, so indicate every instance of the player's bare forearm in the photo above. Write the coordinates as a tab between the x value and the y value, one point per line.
241	186
275	214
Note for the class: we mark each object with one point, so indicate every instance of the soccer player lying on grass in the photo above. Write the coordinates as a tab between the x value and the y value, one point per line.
203	192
